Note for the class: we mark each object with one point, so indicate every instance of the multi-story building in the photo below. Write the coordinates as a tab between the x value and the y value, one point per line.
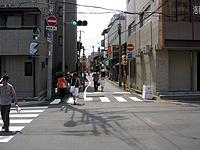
112	43
28	73
166	37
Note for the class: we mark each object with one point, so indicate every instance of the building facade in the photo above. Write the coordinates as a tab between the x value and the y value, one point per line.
28	73
166	37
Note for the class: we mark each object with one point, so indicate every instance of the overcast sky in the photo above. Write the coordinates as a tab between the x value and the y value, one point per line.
91	34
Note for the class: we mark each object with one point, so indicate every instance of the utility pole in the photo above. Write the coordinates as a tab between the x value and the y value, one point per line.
99	60
120	53
63	38
50	55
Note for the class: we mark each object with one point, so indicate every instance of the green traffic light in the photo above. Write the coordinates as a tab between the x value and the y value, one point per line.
74	22
35	37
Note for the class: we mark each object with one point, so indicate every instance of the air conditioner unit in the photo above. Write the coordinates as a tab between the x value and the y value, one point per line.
138	53
6	5
3	6
147	49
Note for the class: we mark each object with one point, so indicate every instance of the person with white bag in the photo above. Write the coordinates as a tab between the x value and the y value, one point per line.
75	83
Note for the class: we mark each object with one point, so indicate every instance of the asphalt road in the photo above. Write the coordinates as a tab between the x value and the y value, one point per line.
118	125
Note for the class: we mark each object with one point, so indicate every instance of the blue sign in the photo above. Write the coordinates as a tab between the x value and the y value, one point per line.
129	55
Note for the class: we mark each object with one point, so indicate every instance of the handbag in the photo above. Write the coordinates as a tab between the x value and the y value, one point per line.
72	88
63	85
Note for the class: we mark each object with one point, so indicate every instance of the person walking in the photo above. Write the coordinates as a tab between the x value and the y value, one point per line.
75	81
102	78
95	79
62	85
7	91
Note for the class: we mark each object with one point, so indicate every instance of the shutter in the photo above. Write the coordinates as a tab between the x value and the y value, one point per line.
179	71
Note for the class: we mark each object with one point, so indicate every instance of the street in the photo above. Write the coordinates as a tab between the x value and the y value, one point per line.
113	119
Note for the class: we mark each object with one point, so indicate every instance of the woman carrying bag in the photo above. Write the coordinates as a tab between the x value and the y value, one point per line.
75	82
61	85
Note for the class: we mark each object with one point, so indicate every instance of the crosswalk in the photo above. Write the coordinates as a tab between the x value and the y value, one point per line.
25	117
108	100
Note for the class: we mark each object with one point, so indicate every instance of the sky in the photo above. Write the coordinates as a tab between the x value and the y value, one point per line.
91	34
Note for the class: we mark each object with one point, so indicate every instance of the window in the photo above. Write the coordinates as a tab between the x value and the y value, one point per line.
131	28
28	68
60	41
18	21
60	11
129	1
144	17
14	22
178	10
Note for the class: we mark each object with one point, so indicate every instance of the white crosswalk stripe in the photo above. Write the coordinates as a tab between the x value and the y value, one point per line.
104	99
120	99
15	118
135	99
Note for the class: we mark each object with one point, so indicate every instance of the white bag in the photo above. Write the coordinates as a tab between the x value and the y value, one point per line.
72	88
63	85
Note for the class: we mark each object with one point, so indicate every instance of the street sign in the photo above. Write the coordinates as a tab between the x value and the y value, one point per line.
129	56
51	28
51	21
130	47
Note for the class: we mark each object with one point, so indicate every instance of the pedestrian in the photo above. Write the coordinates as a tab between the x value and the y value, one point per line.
7	91
95	79
102	78
62	85
75	81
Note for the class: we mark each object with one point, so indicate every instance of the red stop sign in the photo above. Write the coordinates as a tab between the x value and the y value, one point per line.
52	21
130	47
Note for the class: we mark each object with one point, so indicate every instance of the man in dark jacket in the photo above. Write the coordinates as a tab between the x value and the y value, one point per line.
95	79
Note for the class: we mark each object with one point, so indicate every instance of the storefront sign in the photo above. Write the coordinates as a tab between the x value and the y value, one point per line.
196	10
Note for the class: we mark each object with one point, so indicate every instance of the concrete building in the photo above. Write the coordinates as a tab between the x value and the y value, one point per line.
28	73
166	37
112	41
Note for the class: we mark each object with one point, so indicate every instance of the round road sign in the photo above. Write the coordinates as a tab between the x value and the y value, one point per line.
130	47
52	21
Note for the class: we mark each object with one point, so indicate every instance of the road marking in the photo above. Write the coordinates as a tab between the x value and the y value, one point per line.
120	99
71	100
135	99
104	99
23	108
24	115
108	92
56	101
88	99
4	139
18	121
26	111
16	128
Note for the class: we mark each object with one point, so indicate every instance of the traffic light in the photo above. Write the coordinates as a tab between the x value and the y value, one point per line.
79	23
36	34
83	59
124	60
33	49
